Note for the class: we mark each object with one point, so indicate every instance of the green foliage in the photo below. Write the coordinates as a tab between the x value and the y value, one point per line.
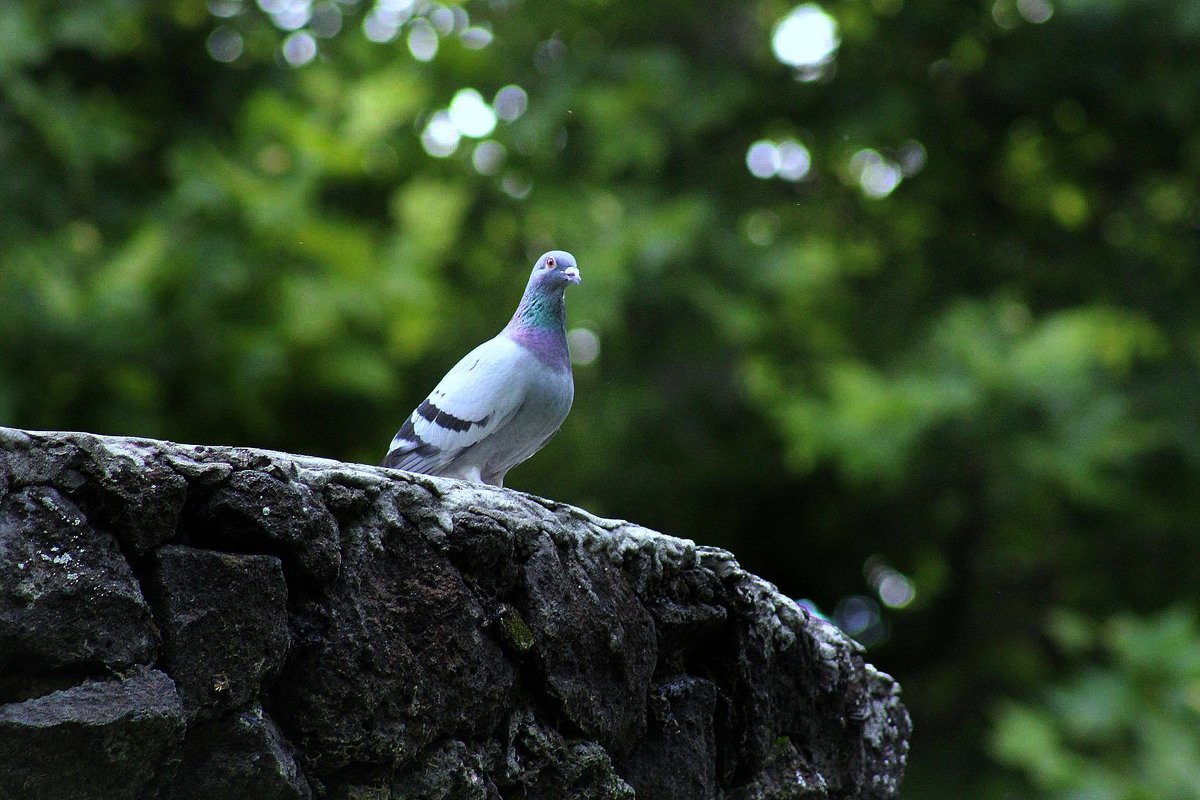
1126	724
960	350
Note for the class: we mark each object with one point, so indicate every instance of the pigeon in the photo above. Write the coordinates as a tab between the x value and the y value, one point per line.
506	399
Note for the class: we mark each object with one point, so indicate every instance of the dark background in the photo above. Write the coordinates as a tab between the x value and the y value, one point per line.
940	380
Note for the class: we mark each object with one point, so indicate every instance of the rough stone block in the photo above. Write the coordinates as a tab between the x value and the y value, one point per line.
540	763
395	658
676	759
224	623
101	740
595	643
69	602
449	770
240	755
257	512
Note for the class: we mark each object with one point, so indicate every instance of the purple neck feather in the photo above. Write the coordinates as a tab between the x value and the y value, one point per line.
540	325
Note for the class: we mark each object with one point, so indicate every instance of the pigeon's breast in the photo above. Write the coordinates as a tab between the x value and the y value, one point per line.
547	345
548	396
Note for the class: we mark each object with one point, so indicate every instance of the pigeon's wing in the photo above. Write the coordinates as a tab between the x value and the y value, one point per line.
475	399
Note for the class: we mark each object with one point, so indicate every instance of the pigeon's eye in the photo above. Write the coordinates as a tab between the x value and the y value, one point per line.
550	262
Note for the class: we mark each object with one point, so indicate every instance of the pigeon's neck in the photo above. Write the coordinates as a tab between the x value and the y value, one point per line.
540	325
541	309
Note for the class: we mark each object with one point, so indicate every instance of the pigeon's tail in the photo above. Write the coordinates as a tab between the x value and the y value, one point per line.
409	452
411	461
393	459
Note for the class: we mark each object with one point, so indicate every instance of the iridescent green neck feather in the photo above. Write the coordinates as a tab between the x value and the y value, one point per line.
541	309
539	325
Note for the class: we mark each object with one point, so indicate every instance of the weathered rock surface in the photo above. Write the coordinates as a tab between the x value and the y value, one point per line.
208	622
105	739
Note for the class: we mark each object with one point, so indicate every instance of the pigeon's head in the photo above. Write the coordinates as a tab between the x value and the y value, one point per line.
554	270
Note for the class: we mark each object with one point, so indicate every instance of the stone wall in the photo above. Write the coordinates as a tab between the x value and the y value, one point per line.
210	622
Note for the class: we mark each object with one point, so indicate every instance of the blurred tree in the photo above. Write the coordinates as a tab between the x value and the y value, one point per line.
895	299
1126	728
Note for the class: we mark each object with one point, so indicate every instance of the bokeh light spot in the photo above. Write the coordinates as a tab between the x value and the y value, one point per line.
379	27
461	18
794	160
225	44
511	102
859	616
584	345
1035	11
476	37
441	136
422	40
516	186
225	8
1004	14
876	176
806	39
787	159
856	614
326	20
761	228
442	20
488	157
471	115
895	590
893	586
299	48
288	15
912	157
383	22
763	160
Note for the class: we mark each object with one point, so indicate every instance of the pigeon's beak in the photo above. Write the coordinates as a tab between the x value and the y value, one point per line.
572	274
